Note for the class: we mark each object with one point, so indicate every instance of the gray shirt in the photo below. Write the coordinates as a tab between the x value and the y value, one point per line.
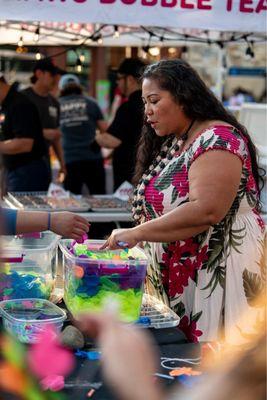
78	121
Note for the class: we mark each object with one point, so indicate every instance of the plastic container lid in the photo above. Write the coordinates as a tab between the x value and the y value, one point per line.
45	242
31	310
136	254
155	314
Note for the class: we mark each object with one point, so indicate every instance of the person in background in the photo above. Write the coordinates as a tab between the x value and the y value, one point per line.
22	144
65	223
196	206
124	132
118	100
80	116
241	96
45	77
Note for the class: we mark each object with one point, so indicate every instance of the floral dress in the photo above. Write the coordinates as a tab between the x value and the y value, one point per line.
214	278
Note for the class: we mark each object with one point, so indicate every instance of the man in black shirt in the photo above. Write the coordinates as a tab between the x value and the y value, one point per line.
22	143
124	132
44	78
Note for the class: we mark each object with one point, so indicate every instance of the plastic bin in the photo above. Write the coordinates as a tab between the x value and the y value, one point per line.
91	282
26	318
28	265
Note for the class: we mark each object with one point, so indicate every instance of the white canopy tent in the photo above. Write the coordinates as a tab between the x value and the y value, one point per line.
170	21
140	23
221	15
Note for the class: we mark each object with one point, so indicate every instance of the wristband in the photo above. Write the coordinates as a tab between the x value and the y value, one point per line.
49	222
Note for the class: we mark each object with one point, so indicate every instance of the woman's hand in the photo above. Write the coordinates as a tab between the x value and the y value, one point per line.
128	358
122	238
69	225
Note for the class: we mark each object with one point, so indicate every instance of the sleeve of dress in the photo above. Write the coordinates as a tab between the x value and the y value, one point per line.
9	218
221	137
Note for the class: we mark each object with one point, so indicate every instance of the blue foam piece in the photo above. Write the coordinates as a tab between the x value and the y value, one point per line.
146	321
91	355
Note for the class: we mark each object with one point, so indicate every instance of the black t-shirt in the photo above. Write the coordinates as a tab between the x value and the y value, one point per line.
47	106
20	119
127	126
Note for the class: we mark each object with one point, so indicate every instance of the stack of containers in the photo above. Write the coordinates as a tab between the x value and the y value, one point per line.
27	279
28	266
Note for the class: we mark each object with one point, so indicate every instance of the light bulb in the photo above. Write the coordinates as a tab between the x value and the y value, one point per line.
82	57
116	34
154	51
20	42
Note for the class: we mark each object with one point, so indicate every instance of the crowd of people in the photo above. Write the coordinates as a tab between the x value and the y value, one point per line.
196	203
73	125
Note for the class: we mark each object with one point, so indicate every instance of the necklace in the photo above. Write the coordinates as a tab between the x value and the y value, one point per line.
184	136
168	150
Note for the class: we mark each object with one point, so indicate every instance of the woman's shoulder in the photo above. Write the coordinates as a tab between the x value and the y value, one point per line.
220	135
220	129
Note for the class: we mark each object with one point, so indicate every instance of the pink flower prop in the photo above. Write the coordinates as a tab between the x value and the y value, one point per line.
47	358
53	383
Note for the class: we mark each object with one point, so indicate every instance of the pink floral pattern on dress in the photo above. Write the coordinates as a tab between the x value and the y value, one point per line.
180	182
153	196
191	275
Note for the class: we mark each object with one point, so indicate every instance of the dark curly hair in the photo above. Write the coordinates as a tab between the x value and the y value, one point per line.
199	103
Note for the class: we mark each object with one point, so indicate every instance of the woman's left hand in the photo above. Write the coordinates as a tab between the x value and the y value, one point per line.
120	238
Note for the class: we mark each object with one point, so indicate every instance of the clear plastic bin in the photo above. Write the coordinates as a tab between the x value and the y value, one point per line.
28	265
26	318
90	283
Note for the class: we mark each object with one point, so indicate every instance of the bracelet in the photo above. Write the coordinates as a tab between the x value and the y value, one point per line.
49	222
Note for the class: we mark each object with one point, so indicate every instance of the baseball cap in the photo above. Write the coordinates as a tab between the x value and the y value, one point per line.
68	79
132	66
47	65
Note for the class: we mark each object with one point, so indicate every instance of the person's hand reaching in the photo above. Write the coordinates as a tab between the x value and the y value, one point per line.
128	358
69	225
121	238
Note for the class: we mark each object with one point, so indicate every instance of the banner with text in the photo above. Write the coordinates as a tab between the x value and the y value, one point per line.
222	15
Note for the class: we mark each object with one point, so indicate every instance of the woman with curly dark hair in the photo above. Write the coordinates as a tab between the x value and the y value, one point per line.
196	204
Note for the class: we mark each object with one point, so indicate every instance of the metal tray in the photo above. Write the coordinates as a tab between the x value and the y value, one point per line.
106	203
39	201
155	314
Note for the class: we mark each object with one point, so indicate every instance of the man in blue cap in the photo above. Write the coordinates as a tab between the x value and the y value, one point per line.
80	116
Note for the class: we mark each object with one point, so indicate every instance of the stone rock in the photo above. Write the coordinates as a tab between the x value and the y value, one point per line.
71	337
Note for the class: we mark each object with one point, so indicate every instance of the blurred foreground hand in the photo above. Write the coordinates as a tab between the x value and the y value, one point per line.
128	356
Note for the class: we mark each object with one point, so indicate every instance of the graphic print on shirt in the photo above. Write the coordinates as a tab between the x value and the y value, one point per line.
72	113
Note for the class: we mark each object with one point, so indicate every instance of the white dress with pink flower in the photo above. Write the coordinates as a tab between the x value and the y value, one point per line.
213	280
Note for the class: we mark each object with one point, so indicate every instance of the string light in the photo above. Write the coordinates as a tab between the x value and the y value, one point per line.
82	57
78	66
116	34
162	36
38	55
172	50
249	53
220	44
154	51
36	35
20	42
